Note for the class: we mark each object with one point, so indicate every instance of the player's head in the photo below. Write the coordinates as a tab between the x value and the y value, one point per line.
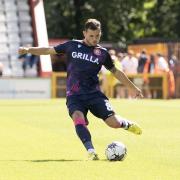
92	32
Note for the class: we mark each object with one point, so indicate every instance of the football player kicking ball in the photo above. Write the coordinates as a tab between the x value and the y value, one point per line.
84	61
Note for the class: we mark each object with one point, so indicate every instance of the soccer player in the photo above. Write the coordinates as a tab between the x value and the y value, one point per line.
85	59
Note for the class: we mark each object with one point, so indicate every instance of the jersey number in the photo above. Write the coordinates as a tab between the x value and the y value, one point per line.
108	106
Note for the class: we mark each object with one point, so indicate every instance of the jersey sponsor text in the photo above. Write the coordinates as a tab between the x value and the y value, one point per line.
83	56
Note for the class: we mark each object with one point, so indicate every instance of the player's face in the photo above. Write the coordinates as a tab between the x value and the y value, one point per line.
92	37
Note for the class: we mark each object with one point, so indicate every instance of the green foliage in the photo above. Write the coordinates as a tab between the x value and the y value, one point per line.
59	18
122	20
166	18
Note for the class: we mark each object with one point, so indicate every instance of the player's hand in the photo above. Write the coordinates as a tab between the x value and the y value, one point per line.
138	93
23	50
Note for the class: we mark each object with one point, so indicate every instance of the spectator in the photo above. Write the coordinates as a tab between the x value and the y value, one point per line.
129	66
119	87
130	63
142	61
115	58
162	67
149	67
107	80
173	63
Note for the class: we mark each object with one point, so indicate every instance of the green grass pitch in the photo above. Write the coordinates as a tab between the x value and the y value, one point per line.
38	142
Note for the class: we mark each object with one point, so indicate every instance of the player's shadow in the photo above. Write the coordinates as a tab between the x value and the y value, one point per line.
51	160
60	160
54	160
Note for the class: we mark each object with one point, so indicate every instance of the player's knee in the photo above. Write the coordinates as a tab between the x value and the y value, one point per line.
77	115
79	121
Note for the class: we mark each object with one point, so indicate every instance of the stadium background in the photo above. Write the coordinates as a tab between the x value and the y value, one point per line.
23	23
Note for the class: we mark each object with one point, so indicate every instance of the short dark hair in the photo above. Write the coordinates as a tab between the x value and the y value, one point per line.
92	24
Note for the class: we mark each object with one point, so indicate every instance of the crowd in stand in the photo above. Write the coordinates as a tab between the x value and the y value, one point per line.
143	63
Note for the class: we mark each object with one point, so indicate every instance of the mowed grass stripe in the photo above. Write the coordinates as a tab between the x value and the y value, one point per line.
38	142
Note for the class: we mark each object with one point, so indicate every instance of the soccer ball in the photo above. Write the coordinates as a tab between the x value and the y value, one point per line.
116	151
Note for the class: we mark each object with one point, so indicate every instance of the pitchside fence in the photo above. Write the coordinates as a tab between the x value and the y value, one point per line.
157	84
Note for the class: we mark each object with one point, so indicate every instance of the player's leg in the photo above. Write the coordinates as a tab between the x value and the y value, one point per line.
119	122
82	130
78	113
83	133
101	108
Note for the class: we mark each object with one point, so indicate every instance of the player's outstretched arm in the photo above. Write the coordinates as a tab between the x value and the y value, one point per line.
121	76
37	50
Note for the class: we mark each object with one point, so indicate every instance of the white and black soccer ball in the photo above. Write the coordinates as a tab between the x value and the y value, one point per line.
116	151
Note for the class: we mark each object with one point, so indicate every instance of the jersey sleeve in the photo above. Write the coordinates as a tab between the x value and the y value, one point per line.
62	48
108	63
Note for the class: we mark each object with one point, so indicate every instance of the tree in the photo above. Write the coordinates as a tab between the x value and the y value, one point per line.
122	20
165	16
65	18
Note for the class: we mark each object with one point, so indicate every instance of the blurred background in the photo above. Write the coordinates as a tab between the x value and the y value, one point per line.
142	36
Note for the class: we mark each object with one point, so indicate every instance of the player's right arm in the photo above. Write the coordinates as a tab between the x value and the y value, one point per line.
37	50
59	49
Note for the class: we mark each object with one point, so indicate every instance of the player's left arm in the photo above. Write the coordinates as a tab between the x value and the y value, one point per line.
121	76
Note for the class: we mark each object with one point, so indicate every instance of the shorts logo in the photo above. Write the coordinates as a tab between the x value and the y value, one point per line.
97	52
